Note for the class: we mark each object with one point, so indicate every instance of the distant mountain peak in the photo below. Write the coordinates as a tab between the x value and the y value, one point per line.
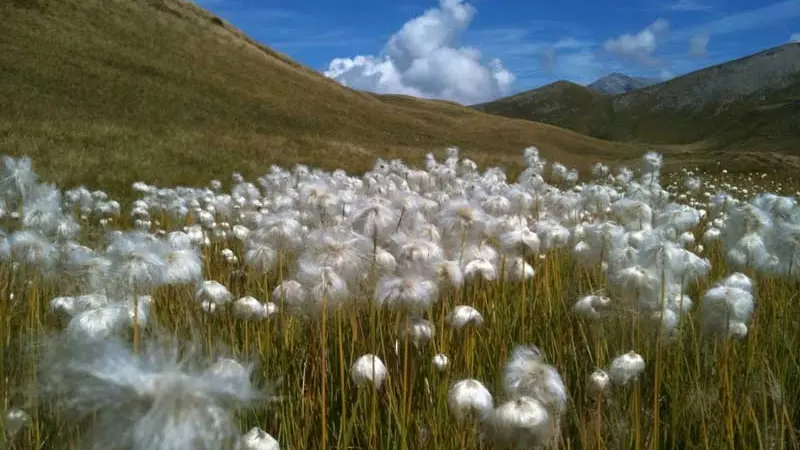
617	83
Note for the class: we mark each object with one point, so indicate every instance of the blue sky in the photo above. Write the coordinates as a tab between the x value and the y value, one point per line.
478	50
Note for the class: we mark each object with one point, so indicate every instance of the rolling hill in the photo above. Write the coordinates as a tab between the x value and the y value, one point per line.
618	83
568	104
107	92
748	104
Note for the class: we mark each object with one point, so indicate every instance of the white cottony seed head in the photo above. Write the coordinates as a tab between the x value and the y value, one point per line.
229	368
522	423
598	384
468	397
258	439
441	361
249	308
368	369
214	292
15	420
626	368
463	315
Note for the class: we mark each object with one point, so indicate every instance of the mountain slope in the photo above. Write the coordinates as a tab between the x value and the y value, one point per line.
109	92
570	105
748	102
617	83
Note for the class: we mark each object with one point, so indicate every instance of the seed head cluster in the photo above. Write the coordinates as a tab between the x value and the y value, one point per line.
395	277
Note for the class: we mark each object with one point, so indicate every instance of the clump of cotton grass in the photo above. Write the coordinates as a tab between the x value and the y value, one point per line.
212	294
326	289
469	399
526	374
259	254
138	262
598	384
161	397
463	316
249	308
532	415
290	293
17	180
64	308
419	331
184	264
258	439
519	270
522	422
343	250
728	306
480	270
626	368
593	306
35	251
114	318
85	268
412	292
228	368
14	421
229	256
369	369
440	361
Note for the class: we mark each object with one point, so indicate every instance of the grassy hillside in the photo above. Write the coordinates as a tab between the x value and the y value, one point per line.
748	103
109	92
567	104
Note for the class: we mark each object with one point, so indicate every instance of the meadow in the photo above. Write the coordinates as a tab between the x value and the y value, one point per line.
442	306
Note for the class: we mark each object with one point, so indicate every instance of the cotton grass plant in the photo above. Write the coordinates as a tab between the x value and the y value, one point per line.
436	307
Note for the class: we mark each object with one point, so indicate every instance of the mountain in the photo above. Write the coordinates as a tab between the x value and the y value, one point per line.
107	92
748	104
570	105
617	83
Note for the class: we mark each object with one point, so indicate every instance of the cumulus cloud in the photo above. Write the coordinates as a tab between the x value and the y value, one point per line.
795	37
424	59
638	47
698	45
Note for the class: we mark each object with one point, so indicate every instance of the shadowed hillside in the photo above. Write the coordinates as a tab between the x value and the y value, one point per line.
749	103
570	105
109	92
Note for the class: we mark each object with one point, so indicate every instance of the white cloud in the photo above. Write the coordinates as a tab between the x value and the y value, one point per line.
424	59
747	20
795	37
640	46
689	6
570	43
698	45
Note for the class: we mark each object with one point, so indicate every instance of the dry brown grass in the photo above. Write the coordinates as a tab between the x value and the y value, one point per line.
105	93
